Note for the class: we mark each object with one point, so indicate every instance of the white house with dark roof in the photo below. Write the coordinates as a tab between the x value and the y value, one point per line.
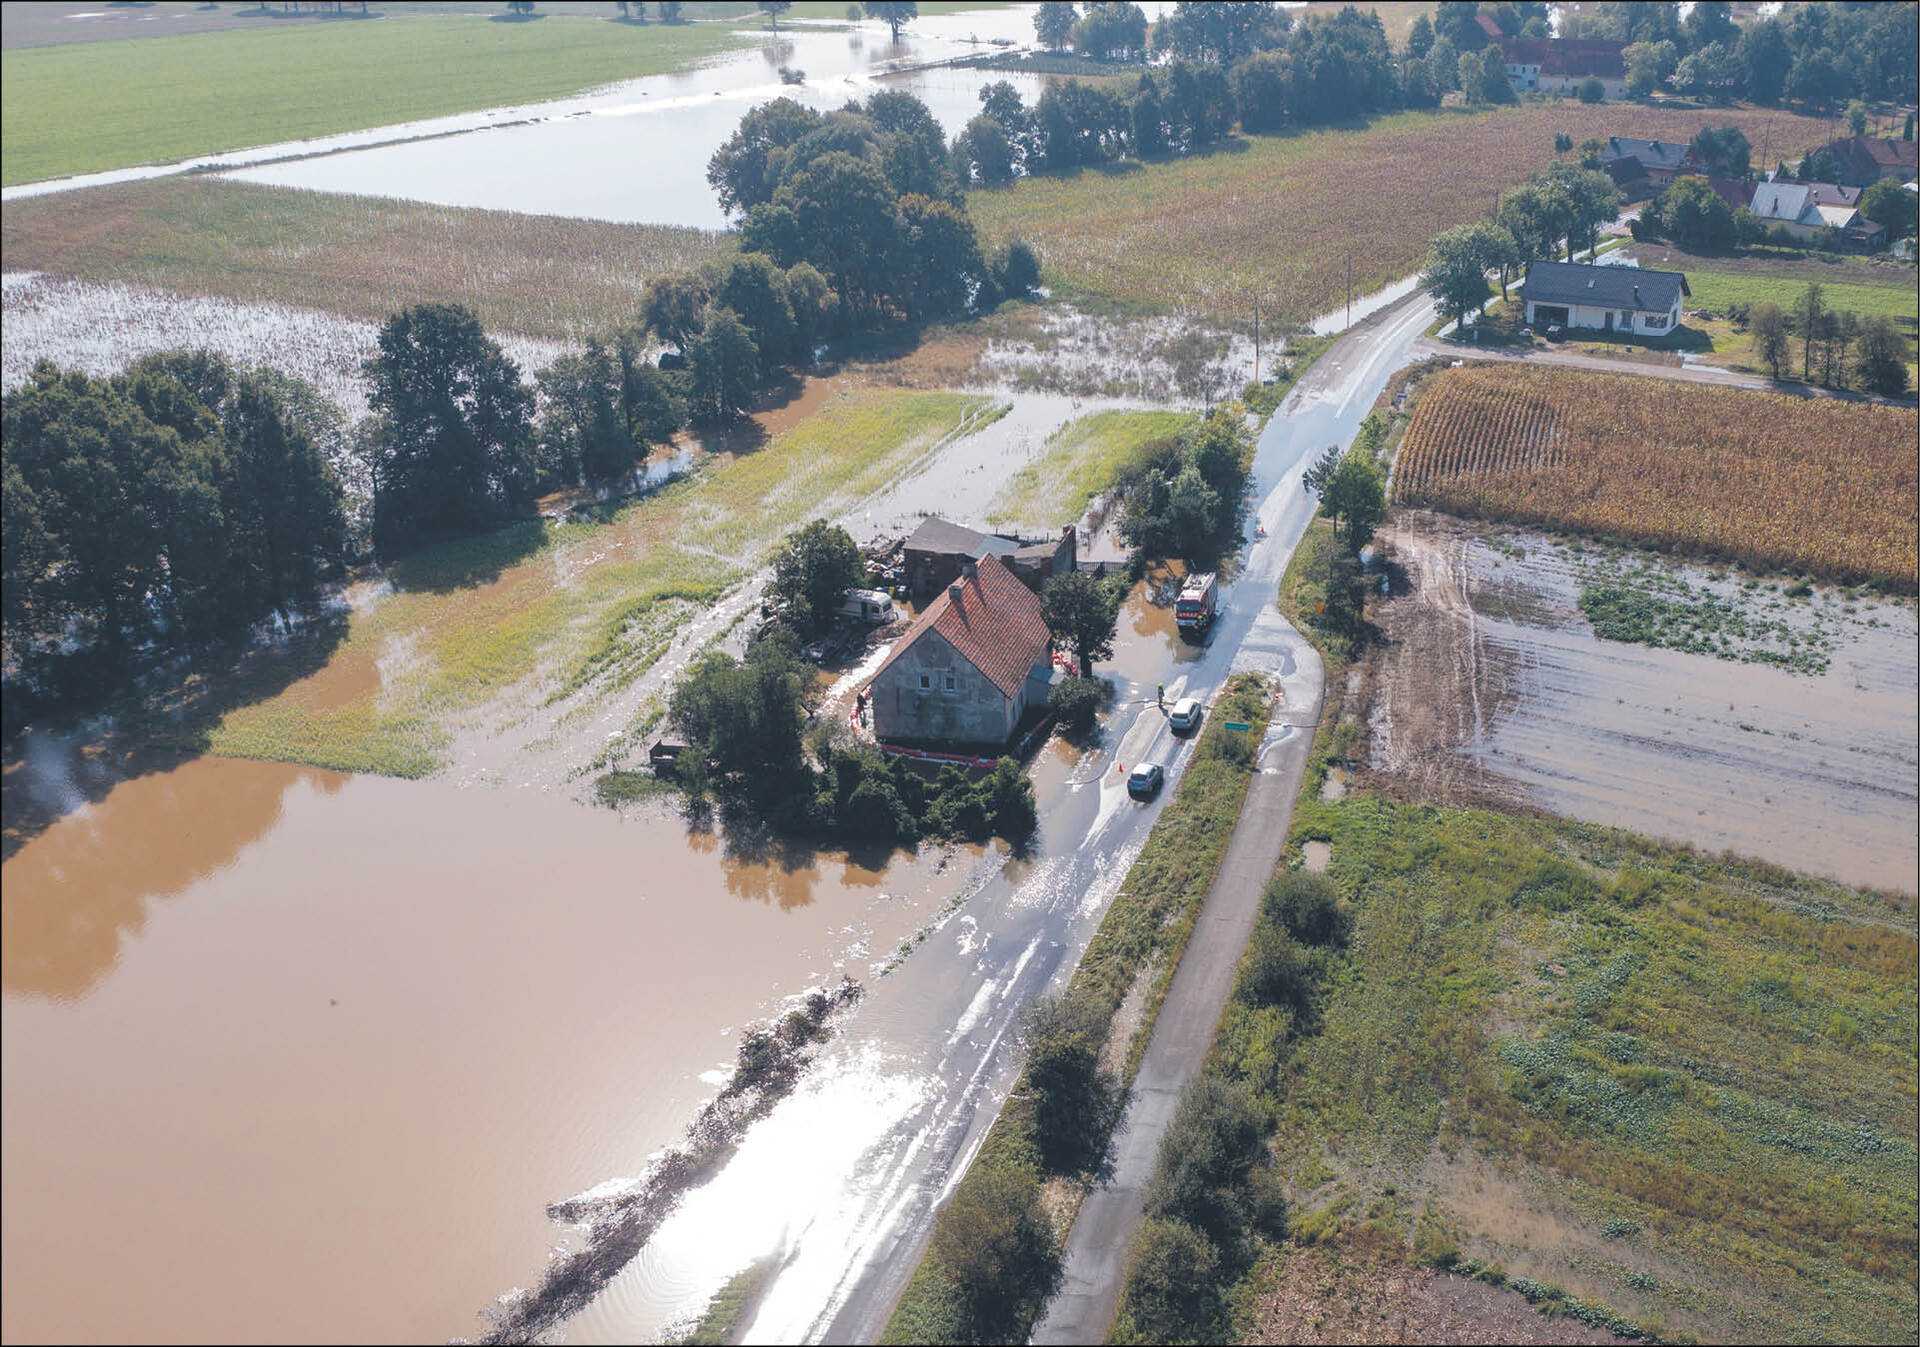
1603	299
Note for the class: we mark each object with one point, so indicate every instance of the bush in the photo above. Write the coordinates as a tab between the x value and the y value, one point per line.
1076	702
1592	91
1170	1286
1214	1142
994	1241
1017	273
1076	1105
1308	906
1275	971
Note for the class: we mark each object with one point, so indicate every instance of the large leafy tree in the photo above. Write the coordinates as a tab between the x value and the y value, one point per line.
812	572
1053	23
453	447
725	365
844	208
896	14
1082	614
745	170
584	428
1455	274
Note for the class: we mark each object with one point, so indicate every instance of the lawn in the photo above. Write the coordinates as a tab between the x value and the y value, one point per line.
588	606
1568	1058
361	257
1716	290
83	107
1081	459
1281	216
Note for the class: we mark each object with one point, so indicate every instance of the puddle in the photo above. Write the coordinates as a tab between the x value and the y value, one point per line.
270	1028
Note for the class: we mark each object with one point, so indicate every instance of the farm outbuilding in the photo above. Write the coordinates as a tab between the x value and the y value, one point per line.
938	550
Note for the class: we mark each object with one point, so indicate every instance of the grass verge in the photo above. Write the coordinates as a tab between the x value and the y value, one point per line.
1143	933
361	257
84	107
1081	459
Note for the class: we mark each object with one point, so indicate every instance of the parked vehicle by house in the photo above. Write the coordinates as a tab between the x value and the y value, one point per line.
1186	715
1145	780
871	606
1199	600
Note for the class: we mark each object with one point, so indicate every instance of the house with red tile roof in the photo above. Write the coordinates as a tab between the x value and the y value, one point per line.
970	665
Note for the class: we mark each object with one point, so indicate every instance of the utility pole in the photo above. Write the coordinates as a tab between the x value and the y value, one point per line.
1349	321
1256	340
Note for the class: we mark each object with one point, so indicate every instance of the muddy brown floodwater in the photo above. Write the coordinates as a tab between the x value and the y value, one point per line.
298	1056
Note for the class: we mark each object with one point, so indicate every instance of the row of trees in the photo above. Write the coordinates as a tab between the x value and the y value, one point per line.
1561	208
1838	348
184	499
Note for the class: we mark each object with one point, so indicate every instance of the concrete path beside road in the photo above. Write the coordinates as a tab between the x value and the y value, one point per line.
1646	369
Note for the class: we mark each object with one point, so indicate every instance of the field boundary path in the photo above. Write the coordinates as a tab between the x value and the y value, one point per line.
1083	1309
1715	375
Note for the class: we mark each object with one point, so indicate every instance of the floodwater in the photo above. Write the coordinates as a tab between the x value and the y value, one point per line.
638	153
300	1056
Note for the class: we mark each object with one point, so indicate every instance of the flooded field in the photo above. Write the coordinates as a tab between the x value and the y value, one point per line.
303	1056
1492	684
553	159
101	329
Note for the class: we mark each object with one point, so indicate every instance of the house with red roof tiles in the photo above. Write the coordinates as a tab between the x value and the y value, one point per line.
970	665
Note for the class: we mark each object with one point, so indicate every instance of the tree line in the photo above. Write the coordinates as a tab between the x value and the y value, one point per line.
1838	348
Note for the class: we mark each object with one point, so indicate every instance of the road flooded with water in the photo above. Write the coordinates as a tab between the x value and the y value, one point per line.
301	1056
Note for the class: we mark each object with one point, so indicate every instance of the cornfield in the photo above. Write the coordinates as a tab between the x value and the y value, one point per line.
1771	482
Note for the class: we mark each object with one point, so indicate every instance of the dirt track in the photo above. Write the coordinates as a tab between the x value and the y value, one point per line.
1492	686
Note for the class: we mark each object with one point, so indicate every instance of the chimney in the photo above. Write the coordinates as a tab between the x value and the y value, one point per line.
969	568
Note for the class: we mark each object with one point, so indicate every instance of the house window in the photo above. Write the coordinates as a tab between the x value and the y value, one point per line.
1656	321
951	682
1626	318
926	682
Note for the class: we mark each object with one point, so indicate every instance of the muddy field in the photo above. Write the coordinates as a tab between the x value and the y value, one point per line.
1796	742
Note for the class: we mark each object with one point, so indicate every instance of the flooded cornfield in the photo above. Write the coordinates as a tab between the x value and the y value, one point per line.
305	1057
1793	742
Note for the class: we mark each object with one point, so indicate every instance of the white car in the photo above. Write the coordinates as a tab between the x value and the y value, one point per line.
1185	716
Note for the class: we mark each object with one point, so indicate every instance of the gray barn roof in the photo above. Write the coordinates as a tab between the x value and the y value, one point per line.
940	535
1649	153
1604	287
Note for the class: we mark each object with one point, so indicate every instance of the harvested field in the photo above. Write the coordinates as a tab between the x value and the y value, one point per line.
1279	216
83	107
1701	471
1491	686
362	257
102	329
1329	1295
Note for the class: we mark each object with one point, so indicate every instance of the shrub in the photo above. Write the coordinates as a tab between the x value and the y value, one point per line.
1170	1287
1017	273
1076	702
1592	91
1214	1142
1076	1105
994	1240
1308	906
1275	971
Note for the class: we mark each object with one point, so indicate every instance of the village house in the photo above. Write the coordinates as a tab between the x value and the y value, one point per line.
936	552
1864	160
970	665
1816	212
1560	65
1653	163
1604	299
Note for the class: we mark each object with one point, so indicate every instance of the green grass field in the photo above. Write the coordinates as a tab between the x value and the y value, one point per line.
84	107
1717	289
588	606
1081	459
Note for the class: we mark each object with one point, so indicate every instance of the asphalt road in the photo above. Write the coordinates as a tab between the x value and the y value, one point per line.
1330	407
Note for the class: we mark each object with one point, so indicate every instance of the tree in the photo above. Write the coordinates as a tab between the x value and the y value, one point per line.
848	226
1712	73
672	306
1695	218
816	309
940	258
1816	79
1724	151
1172	1283
1770	343
670	11
773	9
1053	24
746	169
1456	21
983	152
1017	273
1648	66
994	1240
1809	312
453	448
1454	274
1592	91
725	365
1857	118
1880	357
1420	37
1214	1141
756	291
1111	31
1710	22
1562	142
1220	31
584	428
812	572
1082	613
896	14
1765	57
1472	74
1889	204
742	719
1355	498
1076	1104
